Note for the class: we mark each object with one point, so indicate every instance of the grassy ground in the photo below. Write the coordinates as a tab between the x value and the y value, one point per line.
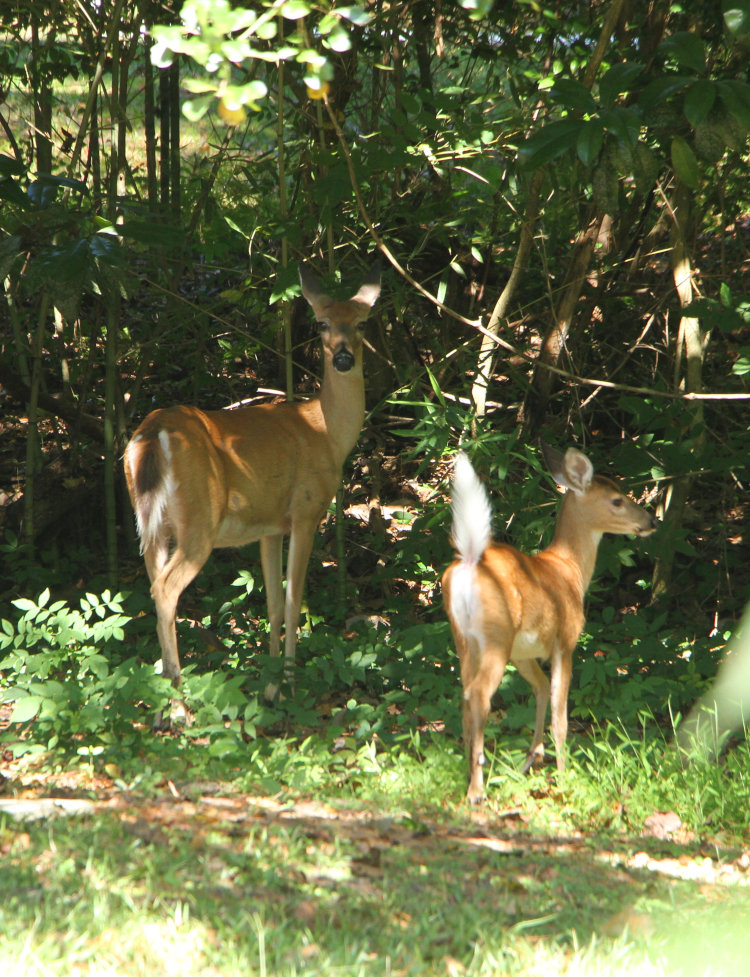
324	859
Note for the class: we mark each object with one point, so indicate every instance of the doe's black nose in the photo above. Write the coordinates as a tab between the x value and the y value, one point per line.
343	359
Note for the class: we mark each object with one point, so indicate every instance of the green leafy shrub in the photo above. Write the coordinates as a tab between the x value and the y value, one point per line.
639	662
69	690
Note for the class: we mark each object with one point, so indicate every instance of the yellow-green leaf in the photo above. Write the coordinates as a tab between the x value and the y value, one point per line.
684	162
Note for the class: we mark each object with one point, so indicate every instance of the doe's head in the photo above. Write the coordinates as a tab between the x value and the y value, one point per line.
341	324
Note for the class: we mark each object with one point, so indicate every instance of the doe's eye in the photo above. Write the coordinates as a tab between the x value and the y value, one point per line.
618	502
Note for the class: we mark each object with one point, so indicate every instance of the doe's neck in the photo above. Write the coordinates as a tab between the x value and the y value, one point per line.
342	404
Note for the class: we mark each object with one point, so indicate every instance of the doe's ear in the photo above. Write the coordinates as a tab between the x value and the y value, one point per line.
370	288
310	285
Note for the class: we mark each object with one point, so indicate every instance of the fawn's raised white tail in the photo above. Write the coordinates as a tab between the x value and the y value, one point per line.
504	605
205	479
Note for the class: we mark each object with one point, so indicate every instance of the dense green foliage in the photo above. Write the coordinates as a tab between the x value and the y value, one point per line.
134	279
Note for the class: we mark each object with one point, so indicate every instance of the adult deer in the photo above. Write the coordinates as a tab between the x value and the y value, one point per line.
205	479
504	605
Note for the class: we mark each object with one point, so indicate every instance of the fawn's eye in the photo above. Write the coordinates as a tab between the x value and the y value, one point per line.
324	326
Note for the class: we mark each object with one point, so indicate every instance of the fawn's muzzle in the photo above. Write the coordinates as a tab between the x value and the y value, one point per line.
652	527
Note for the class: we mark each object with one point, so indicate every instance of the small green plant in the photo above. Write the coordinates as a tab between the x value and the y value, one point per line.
639	661
69	690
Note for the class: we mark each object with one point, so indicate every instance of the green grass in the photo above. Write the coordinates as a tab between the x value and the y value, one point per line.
366	861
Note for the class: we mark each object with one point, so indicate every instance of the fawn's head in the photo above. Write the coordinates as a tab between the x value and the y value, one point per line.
599	502
341	324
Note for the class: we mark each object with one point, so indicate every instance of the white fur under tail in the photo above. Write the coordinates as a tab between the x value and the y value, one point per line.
151	506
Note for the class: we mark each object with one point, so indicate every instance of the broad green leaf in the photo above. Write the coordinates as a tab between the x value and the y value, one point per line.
741	113
152	233
236	51
10	190
736	97
715	315
62	181
248	94
687	49
699	100
338	40
733	88
550	142
26	709
573	95
266	31
624	123
618	80
684	162
66	262
295	9
197	86
589	142
9	166
477	8
357	15
42	193
10	249
737	17
195	108
106	246
410	103
660	90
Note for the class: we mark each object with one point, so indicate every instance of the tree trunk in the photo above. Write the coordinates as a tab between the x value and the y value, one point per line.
542	383
33	450
174	137
532	412
95	157
110	441
149	125
689	351
487	349
164	107
42	99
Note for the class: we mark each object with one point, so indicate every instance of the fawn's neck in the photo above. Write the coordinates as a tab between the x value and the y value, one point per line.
575	542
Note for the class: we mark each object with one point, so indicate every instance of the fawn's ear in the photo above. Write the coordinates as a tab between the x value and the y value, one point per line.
578	471
571	470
